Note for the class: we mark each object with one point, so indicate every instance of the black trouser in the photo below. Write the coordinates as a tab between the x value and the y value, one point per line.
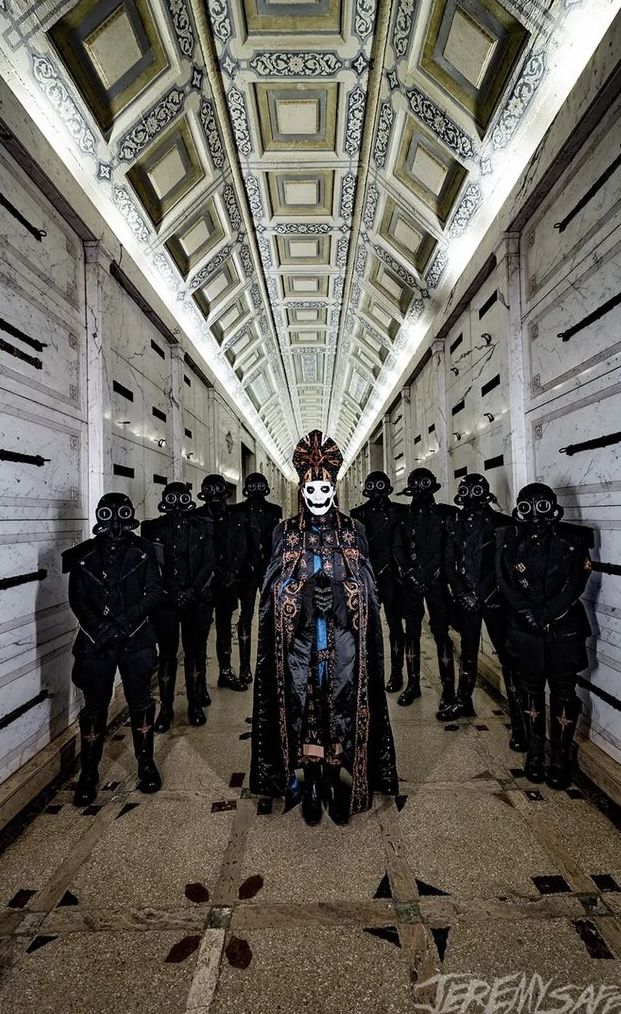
391	598
247	599
168	620
94	676
438	601
225	604
469	623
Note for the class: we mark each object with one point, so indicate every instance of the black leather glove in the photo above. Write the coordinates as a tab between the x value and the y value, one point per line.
186	597
108	636
323	599
468	601
531	621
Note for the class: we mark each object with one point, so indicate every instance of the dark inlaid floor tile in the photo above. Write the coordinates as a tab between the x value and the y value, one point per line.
497	711
197	893
92	810
384	890
237	779
238	952
429	889
53	809
117	737
222	805
110	786
128	809
388	933
517	772
68	899
592	939
264	807
605	882
482	728
250	887
534	795
400	801
451	728
553	884
245	735
575	793
182	950
21	898
39	942
440	936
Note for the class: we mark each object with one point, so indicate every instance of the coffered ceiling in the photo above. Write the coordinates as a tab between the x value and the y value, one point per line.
302	180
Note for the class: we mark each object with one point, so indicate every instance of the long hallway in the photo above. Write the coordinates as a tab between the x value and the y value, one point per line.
203	898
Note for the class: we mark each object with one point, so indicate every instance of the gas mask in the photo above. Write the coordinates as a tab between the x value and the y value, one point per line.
318	496
176	497
537	505
215	494
115	516
377	485
473	493
256	487
422	484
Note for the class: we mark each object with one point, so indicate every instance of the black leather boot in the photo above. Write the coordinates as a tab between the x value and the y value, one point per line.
395	682
167	677
231	681
196	715
92	733
564	714
311	793
335	795
518	739
142	733
534	708
412	663
204	698
463	706
446	669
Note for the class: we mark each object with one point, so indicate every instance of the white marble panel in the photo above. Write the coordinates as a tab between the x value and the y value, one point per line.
130	334
547	252
54	265
553	362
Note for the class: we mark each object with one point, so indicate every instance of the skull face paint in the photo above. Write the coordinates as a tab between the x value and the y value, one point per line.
318	496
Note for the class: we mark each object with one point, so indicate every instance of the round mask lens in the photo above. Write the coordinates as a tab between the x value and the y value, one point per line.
524	507
477	491
170	498
125	513
426	483
104	514
543	507
185	498
463	491
381	484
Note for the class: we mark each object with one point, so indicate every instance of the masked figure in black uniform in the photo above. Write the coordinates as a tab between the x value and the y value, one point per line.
471	573
114	584
385	523
425	583
319	698
261	519
183	544
231	540
543	565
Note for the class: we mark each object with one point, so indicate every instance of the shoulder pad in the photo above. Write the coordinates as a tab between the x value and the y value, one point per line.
576	533
357	512
72	556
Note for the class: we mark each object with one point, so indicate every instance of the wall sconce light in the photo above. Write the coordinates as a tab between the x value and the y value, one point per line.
161	442
457	436
487	338
124	422
455	370
190	454
488	415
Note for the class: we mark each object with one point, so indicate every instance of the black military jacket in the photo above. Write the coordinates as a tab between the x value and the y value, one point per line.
546	577
427	531
471	553
184	546
261	518
232	539
98	600
386	527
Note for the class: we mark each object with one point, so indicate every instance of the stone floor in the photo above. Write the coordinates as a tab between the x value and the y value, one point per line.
202	898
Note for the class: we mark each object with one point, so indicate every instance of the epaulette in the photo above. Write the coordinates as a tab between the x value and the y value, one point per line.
72	556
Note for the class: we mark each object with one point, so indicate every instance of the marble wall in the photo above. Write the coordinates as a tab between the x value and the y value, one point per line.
500	392
102	401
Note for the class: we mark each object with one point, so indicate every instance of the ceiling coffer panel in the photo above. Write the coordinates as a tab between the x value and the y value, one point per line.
301	210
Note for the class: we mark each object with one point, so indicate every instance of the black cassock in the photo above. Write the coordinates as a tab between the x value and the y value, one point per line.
314	683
